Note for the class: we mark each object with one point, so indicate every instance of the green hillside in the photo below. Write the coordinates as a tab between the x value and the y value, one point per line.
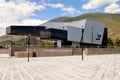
111	21
61	19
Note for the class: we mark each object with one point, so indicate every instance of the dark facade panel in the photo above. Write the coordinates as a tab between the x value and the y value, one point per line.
105	37
24	30
8	30
45	34
53	34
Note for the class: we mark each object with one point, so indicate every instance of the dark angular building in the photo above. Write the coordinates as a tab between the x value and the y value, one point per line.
43	32
66	33
24	30
53	34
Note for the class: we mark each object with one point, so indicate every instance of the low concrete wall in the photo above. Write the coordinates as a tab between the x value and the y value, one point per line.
5	52
102	51
44	52
17	49
22	54
51	51
77	51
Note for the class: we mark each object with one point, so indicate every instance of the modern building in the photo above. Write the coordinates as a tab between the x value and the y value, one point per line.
90	33
24	30
87	32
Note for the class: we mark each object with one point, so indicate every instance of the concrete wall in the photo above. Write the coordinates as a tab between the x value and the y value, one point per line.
17	49
22	54
51	51
77	51
44	52
4	51
102	51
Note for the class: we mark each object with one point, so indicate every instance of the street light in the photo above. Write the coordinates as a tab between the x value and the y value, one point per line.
82	42
36	35
62	41
11	44
28	45
25	40
92	35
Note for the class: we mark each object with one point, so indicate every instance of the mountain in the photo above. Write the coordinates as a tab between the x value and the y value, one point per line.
111	21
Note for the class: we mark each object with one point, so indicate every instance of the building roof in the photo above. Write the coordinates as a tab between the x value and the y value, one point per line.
56	25
65	25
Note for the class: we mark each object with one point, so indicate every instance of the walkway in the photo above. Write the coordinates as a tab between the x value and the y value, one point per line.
97	67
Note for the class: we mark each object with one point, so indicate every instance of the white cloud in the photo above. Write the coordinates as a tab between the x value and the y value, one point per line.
93	4
112	8
32	22
71	10
2	1
58	5
66	10
83	0
18	1
12	12
17	12
23	22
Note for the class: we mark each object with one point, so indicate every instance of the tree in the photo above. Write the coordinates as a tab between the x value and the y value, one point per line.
46	43
1	46
117	42
110	42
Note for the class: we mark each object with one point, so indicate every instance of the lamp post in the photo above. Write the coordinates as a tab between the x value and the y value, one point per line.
36	35
11	44
28	45
25	40
92	35
62	41
82	42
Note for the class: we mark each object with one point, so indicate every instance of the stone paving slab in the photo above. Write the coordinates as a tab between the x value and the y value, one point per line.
97	67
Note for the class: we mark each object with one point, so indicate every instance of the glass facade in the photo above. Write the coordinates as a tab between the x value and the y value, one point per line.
24	30
37	31
50	33
54	34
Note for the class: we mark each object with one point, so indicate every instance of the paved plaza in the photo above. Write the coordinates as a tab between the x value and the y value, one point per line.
95	67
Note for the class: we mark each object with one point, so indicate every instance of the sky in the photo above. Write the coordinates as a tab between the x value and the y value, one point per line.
36	12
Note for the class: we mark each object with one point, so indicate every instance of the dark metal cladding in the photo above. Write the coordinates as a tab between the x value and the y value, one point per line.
54	34
24	30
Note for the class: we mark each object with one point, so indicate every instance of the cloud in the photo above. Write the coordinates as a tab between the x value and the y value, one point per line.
18	12
18	1
29	21
58	5
22	22
112	8
70	10
93	4
32	22
14	11
66	10
84	0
